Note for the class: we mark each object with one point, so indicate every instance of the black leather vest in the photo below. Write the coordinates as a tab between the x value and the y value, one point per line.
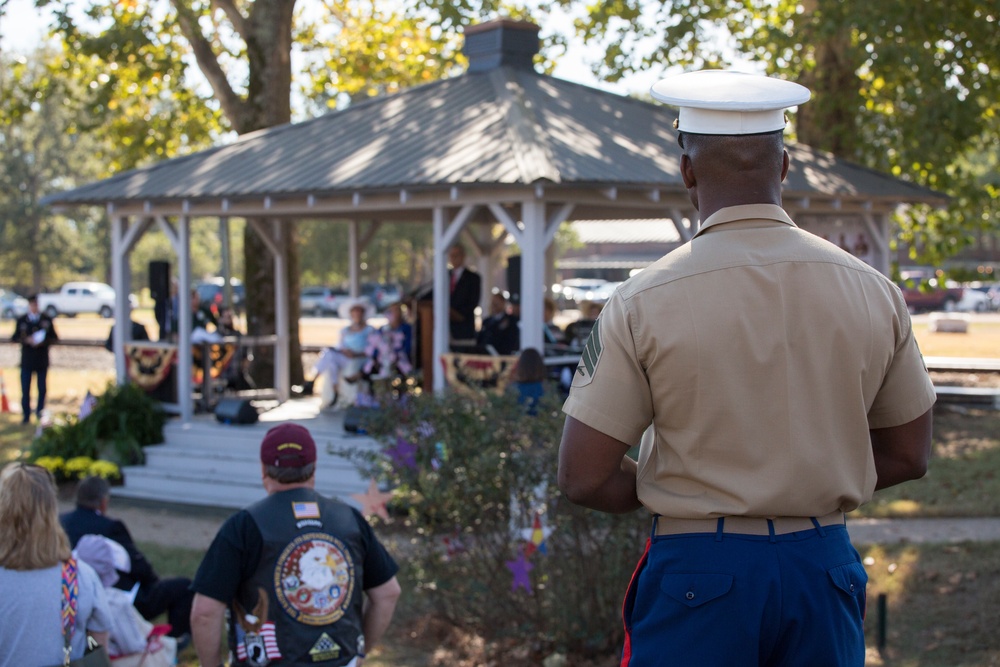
311	571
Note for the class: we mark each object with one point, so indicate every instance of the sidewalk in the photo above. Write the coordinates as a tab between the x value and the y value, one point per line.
890	531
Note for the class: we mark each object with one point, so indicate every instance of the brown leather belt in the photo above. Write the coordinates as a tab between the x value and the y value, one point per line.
746	525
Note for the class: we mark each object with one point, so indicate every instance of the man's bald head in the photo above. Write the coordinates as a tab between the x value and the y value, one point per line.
730	170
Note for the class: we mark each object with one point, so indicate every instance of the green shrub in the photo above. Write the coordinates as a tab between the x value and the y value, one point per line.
123	421
475	462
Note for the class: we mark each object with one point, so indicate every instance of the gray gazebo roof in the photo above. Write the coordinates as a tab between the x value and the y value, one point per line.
506	126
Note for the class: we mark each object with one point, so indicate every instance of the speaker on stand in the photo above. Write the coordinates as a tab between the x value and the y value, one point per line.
159	290
514	277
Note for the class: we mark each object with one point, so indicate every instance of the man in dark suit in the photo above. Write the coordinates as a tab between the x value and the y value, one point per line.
465	287
155	595
35	333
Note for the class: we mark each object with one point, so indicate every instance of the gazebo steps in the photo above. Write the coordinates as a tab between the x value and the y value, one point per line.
209	464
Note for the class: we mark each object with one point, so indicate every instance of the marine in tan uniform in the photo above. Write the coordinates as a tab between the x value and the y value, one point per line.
774	382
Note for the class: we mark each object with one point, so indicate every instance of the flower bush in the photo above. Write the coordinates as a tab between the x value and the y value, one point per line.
123	420
79	467
497	550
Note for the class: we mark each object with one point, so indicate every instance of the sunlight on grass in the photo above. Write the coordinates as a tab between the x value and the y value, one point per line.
903	508
982	340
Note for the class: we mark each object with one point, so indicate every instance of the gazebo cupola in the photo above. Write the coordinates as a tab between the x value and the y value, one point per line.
501	43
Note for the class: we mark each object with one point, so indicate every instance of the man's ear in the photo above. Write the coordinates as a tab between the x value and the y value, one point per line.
784	164
687	171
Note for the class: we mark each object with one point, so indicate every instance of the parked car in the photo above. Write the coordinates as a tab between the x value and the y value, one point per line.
604	292
994	293
576	290
12	305
81	297
321	301
974	300
210	293
923	295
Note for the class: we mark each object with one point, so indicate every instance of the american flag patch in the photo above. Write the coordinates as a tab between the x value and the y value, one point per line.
305	510
259	648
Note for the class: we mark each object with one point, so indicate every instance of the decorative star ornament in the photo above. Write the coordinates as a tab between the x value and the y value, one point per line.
373	501
520	569
536	536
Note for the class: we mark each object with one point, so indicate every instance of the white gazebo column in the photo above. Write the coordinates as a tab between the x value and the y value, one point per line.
441	300
443	238
282	346
353	274
185	364
119	263
532	274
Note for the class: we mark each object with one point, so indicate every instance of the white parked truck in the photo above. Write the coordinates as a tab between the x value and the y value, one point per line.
79	297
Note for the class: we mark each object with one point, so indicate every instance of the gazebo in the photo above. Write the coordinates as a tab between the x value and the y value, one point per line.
498	151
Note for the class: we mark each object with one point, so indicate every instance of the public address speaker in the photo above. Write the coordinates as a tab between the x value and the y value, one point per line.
236	411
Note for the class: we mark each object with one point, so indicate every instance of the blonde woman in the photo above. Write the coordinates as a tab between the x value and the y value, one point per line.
33	549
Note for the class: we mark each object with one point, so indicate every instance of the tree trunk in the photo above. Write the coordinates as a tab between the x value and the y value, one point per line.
828	121
269	45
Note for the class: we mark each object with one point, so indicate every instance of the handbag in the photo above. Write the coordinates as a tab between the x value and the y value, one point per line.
94	655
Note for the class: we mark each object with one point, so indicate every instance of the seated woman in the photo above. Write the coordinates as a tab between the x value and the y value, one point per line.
347	360
132	640
389	352
36	567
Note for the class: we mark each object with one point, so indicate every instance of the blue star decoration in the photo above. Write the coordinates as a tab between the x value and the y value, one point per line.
520	569
403	454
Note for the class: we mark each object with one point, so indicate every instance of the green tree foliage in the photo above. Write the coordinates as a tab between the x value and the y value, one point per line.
139	91
42	149
372	51
908	87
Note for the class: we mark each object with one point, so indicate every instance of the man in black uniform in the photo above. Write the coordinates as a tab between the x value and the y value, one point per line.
294	569
155	595
35	333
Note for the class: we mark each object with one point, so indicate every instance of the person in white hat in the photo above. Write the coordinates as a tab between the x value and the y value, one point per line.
349	358
773	382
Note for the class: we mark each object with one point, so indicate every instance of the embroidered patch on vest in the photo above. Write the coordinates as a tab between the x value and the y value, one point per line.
314	579
258	648
305	510
324	649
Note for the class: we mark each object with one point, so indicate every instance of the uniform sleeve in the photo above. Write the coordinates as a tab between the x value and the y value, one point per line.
610	390
906	391
231	559
379	566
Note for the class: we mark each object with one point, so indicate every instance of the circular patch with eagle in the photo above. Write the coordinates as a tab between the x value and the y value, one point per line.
314	579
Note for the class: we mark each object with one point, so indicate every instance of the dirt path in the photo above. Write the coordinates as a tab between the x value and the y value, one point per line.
174	527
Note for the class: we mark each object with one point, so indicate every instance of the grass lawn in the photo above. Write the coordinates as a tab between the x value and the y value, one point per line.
963	477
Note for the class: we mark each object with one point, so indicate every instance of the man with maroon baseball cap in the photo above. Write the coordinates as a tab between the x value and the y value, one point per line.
294	569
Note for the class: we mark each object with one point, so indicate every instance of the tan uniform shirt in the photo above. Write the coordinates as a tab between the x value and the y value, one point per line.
761	355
